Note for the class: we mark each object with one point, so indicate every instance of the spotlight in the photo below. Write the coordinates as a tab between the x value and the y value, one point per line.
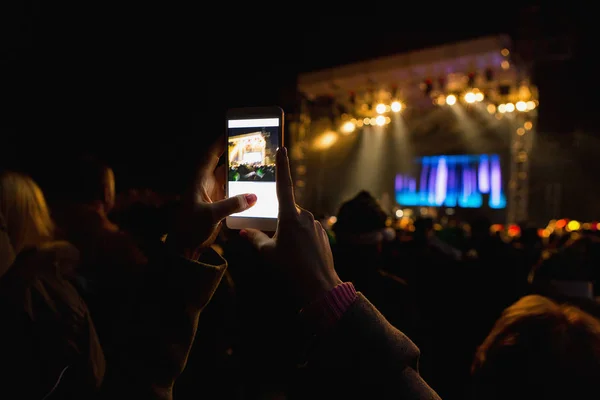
396	106
451	99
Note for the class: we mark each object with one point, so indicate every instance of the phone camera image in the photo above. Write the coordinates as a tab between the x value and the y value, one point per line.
252	145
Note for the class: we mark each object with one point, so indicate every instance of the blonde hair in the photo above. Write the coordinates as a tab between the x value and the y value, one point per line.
25	212
539	349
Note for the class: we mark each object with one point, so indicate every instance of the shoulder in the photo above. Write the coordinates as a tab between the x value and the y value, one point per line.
51	258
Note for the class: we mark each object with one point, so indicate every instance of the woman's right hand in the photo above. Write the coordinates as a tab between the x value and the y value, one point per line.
300	248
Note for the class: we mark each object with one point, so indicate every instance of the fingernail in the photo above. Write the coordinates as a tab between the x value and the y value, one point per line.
250	199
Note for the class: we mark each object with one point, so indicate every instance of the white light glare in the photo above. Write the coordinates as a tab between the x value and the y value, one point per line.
348	127
451	99
380	108
396	106
470	97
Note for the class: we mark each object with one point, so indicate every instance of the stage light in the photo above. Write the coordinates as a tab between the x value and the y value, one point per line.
528	125
521	106
573	226
502	108
510	107
380	120
441	100
348	127
531	105
396	106
491	108
451	99
326	140
380	108
479	96
470	97
366	121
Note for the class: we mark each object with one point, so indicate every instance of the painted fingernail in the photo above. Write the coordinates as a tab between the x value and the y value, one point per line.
250	199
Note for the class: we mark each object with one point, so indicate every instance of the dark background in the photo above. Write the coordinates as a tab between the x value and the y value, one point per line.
147	86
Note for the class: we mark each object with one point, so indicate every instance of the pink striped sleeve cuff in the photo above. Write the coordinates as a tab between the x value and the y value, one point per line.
329	309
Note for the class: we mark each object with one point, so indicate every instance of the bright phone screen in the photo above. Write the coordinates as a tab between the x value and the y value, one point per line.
252	144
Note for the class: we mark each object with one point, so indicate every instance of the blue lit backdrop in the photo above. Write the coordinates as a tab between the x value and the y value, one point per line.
466	181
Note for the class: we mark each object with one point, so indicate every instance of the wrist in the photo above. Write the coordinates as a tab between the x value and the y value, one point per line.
330	307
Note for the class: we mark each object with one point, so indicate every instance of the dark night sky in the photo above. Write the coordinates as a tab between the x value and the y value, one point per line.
154	82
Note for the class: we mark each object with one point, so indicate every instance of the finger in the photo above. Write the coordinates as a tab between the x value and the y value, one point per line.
221	175
325	243
224	208
257	238
285	188
213	154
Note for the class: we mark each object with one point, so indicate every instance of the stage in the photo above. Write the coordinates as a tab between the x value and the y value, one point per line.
419	131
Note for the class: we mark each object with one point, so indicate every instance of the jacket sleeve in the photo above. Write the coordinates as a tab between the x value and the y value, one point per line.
160	330
371	358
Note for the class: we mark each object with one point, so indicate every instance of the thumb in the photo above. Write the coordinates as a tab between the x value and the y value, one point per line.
224	208
258	239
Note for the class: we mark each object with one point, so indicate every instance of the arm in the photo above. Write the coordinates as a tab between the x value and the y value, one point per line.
159	333
371	352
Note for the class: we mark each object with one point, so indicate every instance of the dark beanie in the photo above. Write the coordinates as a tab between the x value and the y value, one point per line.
362	214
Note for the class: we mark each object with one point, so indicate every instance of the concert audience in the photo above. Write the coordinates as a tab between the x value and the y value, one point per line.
139	302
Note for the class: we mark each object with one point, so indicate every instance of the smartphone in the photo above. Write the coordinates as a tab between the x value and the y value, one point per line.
253	137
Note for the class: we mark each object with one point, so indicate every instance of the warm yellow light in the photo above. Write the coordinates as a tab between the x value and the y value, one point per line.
505	64
470	97
521	106
528	125
510	107
348	127
451	99
380	120
573	226
326	140
396	106
479	96
366	121
530	105
380	108
502	108
505	52
399	213
388	120
372	121
491	108
520	131
441	100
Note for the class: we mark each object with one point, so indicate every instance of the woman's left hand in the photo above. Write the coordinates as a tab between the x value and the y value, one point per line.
202	209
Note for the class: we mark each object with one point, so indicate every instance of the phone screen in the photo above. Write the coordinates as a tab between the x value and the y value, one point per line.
252	144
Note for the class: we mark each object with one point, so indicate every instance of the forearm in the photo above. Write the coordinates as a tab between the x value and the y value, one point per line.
163	322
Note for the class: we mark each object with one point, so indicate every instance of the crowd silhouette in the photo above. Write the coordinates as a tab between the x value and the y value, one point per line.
138	295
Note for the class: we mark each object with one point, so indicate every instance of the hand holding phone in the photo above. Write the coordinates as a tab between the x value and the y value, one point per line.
253	137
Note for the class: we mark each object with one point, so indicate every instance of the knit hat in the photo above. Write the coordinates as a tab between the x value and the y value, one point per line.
361	219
